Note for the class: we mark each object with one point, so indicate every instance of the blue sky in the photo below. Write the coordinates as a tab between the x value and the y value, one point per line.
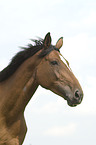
49	119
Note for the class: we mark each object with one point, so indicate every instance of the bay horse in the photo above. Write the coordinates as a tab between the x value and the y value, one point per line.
38	64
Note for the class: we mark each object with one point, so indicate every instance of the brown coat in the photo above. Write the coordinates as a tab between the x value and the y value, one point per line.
44	68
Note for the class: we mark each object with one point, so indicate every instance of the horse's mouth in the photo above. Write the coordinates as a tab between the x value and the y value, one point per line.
73	102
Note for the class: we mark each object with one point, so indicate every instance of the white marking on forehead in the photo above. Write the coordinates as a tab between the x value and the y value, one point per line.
65	61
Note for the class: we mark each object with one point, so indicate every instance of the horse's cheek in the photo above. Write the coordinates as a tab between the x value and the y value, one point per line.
44	77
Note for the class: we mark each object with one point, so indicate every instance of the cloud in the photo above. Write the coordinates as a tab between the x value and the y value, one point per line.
79	46
89	105
85	22
90	20
58	131
50	106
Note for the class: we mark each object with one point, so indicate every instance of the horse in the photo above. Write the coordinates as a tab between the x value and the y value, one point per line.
38	64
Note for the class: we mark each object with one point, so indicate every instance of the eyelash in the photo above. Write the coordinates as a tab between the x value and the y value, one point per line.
54	62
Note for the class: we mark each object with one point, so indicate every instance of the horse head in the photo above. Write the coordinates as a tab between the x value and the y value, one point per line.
53	74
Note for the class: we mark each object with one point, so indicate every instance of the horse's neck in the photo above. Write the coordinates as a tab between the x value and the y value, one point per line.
18	89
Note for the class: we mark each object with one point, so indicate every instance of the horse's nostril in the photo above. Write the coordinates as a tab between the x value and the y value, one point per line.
77	94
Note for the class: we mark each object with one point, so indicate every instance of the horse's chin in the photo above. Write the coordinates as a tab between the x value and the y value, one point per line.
71	104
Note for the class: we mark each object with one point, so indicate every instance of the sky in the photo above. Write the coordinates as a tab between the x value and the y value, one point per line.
49	119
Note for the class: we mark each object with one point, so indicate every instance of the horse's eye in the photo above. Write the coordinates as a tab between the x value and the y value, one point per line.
54	62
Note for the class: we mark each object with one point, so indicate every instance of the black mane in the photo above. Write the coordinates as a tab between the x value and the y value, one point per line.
20	57
23	55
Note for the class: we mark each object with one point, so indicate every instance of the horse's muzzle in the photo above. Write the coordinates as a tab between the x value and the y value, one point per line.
75	99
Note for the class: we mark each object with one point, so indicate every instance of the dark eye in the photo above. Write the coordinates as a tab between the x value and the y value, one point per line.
54	62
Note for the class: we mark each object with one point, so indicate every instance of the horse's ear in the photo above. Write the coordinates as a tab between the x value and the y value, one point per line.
59	43
47	40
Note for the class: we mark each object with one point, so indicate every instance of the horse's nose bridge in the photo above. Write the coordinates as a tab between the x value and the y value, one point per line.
64	75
